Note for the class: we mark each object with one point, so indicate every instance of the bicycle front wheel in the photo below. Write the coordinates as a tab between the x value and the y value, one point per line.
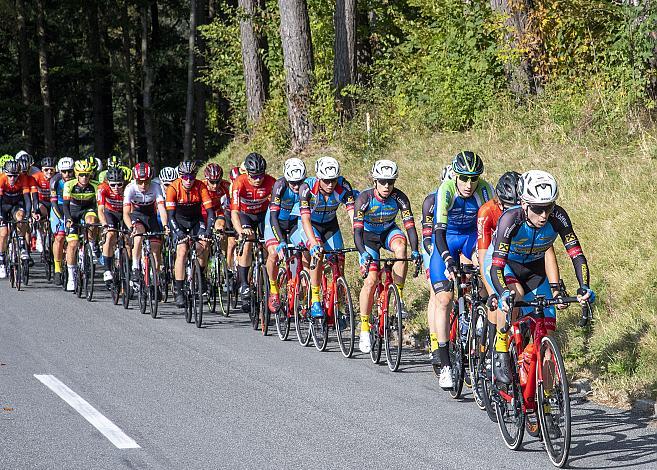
344	317
89	272
509	406
197	294
213	282
224	286
553	402
281	316
153	286
263	305
456	355
392	329
125	277
476	351
376	340
302	309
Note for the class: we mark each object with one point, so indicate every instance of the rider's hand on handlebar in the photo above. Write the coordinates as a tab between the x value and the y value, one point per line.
451	270
504	302
247	232
585	294
316	250
36	216
416	257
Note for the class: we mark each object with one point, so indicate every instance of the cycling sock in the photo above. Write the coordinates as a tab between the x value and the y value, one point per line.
178	285
109	261
315	294
242	274
443	353
364	324
58	266
273	287
500	343
434	342
135	263
400	288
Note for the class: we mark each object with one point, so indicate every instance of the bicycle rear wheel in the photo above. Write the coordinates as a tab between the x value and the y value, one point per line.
376	340
553	402
90	272
153	286
263	304
393	329
344	317
115	286
224	288
456	354
213	282
125	277
302	309
509	404
197	294
281	316
476	349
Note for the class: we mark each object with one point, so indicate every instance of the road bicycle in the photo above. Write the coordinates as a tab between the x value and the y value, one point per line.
168	263
386	315
219	281
120	287
86	268
149	278
289	276
19	269
193	286
259	313
539	385
45	232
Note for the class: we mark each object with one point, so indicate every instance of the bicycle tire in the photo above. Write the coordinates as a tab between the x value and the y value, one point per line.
191	287
302	309
456	354
510	414
281	317
115	286
142	295
47	254
487	398
125	277
213	282
344	318
375	337
558	454
79	278
90	275
11	265
153	286
319	327
225	284
393	329
478	328
197	294
263	301
254	314
16	265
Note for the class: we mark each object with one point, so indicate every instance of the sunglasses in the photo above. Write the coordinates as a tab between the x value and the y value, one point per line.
67	172
466	178
47	169
84	175
295	183
257	177
330	180
142	181
538	210
12	176
188	177
386	182
115	185
214	181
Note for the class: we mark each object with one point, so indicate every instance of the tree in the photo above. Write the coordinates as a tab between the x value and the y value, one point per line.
23	55
344	47
189	110
254	75
200	88
298	64
127	83
43	74
147	82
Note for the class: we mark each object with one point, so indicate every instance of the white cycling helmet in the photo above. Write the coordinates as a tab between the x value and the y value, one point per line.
385	170
538	187
447	173
327	168
65	164
99	165
168	174
294	169
24	154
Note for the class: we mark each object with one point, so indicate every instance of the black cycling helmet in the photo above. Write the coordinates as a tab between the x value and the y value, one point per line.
11	167
187	167
255	164
115	175
507	188
468	163
48	162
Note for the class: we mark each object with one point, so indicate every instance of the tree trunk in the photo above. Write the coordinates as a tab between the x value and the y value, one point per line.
98	102
200	89
298	64
189	110
43	75
127	66
522	80
147	86
252	61
23	48
344	48
106	85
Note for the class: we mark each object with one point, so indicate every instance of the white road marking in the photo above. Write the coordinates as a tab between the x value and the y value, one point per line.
110	430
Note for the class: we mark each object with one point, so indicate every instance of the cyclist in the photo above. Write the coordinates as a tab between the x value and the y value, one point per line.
319	199
79	208
281	221
23	156
167	176
142	201
64	174
250	195
457	201
109	199
184	199
374	228
114	161
25	162
516	258
218	188
16	197
231	241
43	178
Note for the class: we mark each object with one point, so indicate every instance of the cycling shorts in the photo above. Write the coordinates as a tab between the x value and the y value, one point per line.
150	222
78	214
531	276
288	227
114	219
46	204
57	226
457	243
192	230
254	221
328	234
8	212
375	241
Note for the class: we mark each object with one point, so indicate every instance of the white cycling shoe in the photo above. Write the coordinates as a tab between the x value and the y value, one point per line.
445	380
107	276
364	343
3	271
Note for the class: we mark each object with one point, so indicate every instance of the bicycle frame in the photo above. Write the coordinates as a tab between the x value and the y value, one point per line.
293	277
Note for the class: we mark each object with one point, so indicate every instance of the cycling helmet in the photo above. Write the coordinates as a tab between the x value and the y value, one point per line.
11	167
294	170
213	172
507	188
82	166
65	163
468	163
48	162
23	161
24	154
385	170
114	175
97	164
114	161
447	173
127	173
142	171
168	174
538	187
255	164
327	168
234	173
187	167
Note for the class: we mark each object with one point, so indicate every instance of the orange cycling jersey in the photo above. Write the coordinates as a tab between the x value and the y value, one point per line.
187	202
43	186
249	199
24	184
487	218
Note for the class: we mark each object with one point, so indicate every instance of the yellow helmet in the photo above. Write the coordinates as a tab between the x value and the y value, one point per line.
127	173
82	166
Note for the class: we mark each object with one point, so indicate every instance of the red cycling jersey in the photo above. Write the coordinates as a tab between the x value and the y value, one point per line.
43	186
487	218
14	192
218	197
248	198
106	196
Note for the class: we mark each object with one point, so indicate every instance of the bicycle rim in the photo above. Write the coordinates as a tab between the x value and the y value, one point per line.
456	357
197	295
344	318
189	294
554	403
254	314
213	281
302	309
125	277
281	316
393	329
153	285
263	304
375	336
226	284
91	273
510	416
474	345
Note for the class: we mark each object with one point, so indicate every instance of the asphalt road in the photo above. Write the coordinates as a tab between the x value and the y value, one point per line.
225	397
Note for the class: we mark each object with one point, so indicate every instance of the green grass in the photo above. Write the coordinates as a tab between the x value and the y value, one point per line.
605	185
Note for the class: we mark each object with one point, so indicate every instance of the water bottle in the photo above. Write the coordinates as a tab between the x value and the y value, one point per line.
294	261
480	326
525	361
465	326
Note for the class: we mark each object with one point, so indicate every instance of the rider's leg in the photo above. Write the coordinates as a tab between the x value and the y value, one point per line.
136	244
399	270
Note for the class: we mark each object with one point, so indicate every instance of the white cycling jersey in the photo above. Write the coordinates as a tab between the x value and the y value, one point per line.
143	201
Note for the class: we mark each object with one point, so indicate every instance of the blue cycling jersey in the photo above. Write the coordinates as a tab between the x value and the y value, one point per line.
284	201
457	214
321	207
378	215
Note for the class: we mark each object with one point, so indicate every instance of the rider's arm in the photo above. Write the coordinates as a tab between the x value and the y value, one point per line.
304	209
275	207
54	200
170	205
127	205
235	206
407	218
485	227
206	200
362	204
427	222
34	193
348	199
100	202
561	223
159	203
444	197
552	268
67	201
507	225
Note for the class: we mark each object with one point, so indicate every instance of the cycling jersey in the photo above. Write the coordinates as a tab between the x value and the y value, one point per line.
145	201
487	219
219	198
322	208
427	229
281	218
43	186
109	198
15	196
184	205
79	200
249	199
